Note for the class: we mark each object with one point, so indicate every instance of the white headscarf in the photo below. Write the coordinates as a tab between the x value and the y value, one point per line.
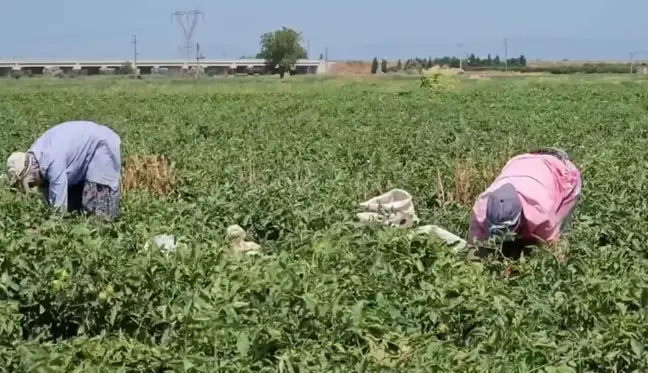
19	169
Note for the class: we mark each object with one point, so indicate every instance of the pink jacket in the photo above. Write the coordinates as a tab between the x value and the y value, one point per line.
547	187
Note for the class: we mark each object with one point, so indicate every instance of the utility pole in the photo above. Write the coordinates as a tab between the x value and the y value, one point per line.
135	53
308	50
632	59
505	54
459	47
198	58
326	67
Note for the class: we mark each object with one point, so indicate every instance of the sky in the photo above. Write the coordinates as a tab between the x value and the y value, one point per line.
348	29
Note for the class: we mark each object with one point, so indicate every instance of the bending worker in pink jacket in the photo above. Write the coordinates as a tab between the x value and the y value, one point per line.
531	201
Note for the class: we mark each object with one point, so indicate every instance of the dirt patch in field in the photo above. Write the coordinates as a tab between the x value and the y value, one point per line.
443	70
364	68
351	68
577	62
486	74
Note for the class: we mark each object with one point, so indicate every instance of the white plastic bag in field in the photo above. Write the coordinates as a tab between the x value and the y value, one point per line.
394	208
166	243
236	234
454	241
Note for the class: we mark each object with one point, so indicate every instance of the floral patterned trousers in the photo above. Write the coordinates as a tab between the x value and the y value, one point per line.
95	199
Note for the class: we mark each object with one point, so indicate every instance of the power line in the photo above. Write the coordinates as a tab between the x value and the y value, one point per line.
188	19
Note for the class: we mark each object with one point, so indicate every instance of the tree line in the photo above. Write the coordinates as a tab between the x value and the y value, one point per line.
518	64
471	62
283	47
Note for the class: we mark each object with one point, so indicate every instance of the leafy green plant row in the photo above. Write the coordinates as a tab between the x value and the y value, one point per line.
290	167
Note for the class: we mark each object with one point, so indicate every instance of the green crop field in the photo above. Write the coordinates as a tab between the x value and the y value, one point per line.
289	162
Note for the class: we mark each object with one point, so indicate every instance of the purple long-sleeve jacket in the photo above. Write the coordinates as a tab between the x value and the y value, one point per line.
76	151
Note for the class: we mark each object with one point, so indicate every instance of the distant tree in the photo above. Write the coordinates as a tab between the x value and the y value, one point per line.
472	60
321	56
374	65
516	61
383	65
522	60
399	65
126	69
281	49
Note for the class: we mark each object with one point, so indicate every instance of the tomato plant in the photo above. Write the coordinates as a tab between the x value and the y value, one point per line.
289	162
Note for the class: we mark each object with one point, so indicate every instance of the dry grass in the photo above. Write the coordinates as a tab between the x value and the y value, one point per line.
471	178
148	172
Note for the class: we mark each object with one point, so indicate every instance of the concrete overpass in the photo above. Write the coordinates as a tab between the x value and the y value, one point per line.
90	67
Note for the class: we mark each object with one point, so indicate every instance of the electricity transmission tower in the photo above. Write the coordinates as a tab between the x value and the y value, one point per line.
188	19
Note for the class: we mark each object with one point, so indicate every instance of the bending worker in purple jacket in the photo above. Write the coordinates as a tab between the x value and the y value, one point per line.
78	163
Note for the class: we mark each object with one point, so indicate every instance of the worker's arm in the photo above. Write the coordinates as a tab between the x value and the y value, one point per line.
478	231
547	232
58	186
541	225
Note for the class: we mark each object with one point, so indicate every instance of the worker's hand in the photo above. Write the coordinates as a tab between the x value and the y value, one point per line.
559	249
478	251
